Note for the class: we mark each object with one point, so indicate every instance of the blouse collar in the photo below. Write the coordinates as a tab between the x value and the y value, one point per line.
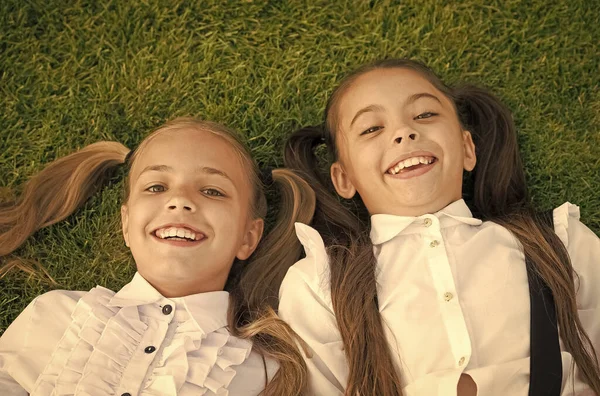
209	310
384	227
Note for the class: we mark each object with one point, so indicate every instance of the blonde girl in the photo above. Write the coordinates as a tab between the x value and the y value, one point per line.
188	323
445	288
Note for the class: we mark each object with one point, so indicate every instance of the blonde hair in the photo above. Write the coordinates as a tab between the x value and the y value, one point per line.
66	184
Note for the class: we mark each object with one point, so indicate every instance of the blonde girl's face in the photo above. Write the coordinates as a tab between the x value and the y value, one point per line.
188	213
400	144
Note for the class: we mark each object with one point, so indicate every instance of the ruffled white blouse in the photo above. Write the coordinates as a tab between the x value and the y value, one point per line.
134	342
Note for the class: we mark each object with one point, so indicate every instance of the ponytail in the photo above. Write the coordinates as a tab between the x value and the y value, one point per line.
255	297
331	217
499	185
500	195
280	248
353	275
53	194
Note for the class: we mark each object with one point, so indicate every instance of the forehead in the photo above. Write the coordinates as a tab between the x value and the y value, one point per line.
381	85
187	149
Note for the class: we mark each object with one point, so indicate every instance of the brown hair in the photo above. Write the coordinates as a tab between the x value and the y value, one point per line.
496	191
67	183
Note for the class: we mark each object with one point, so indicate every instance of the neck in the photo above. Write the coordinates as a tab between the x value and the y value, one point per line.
418	210
172	288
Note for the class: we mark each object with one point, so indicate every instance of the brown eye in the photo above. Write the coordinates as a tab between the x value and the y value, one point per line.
371	130
427	114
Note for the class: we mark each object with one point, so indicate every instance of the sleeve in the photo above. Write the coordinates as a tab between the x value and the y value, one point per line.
27	344
305	304
583	247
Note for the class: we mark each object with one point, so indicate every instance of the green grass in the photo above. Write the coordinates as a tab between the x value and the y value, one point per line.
74	72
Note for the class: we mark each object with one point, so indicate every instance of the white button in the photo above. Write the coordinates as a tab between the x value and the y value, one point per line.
434	243
427	222
448	296
461	361
220	351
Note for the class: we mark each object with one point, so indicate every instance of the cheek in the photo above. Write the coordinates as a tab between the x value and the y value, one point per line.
226	217
139	216
365	162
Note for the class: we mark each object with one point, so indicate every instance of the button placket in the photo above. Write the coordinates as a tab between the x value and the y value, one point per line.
450	309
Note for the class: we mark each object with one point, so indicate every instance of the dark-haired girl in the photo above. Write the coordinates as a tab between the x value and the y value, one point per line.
446	288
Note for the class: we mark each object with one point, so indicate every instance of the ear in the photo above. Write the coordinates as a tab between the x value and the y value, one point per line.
125	223
469	151
253	234
341	181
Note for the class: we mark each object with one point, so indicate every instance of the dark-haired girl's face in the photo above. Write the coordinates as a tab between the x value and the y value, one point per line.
400	144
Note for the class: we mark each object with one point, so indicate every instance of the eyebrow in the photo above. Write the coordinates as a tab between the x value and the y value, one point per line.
411	99
201	169
367	109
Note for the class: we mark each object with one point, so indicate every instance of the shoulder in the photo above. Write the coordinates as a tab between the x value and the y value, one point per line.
315	266
309	277
567	224
53	306
583	246
581	242
35	332
53	311
59	298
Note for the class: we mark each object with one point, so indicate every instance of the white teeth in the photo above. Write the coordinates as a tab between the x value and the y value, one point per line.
407	163
175	232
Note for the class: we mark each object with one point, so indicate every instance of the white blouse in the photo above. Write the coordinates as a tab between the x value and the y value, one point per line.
134	342
454	297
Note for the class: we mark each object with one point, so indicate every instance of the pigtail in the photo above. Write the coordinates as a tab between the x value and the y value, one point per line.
500	195
331	217
255	297
499	185
280	248
53	194
353	277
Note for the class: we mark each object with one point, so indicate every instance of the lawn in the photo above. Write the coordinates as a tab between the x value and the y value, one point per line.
75	72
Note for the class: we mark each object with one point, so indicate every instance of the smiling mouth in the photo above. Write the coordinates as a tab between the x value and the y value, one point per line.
178	234
411	164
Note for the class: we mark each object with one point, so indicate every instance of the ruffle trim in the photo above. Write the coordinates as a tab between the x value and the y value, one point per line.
198	364
95	349
92	356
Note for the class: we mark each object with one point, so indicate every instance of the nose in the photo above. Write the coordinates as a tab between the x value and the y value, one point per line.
404	134
180	201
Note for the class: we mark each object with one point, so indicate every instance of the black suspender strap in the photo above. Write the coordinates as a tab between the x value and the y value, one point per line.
546	363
